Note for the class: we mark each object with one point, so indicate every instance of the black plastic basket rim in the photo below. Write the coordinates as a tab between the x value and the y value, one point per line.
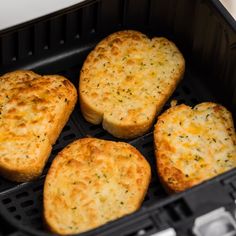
216	3
225	13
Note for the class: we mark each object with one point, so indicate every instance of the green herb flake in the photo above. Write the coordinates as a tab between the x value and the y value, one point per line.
198	158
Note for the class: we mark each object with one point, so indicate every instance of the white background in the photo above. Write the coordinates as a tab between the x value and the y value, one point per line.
231	6
13	12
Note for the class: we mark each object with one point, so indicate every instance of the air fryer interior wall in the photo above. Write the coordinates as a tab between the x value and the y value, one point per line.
60	42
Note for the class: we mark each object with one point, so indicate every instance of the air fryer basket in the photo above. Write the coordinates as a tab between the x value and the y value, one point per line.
58	43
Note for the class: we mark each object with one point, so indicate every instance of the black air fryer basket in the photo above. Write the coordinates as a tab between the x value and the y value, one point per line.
58	44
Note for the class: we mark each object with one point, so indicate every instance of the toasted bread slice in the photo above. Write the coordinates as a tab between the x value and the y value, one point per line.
91	182
33	111
193	145
126	80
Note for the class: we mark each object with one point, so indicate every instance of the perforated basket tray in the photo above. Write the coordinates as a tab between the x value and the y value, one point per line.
59	43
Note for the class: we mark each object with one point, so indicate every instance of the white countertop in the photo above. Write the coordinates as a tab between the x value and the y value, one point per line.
13	12
230	5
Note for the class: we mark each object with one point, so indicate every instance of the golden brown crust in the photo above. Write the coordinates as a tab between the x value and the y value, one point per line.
193	145
92	182
34	109
126	80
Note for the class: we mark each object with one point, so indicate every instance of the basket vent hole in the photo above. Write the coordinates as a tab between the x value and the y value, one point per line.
183	209
27	203
22	195
178	210
172	213
6	200
69	137
11	209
